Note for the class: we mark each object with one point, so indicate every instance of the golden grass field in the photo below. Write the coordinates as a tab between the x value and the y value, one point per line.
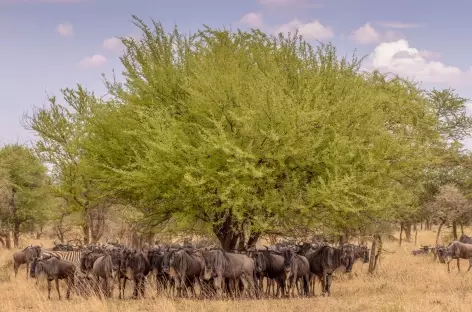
402	283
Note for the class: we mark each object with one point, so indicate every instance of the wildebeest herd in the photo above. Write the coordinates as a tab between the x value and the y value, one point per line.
282	270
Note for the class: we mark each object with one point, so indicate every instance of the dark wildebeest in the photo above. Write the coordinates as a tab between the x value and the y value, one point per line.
270	265
324	261
54	269
156	258
25	256
357	252
296	268
136	267
101	266
186	268
456	250
222	265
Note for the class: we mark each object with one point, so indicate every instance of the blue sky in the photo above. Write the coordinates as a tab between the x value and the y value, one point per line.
51	44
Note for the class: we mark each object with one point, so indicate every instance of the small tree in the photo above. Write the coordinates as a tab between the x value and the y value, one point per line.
449	206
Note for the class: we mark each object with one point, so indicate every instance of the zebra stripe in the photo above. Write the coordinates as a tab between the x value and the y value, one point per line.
71	256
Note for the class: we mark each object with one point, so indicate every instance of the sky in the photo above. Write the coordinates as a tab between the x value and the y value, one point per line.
46	45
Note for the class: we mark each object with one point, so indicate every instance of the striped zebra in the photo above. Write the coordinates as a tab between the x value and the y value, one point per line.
71	256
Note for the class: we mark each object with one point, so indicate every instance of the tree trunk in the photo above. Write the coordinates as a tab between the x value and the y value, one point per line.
416	236
16	221
375	252
401	233
439	231
407	226
428	225
454	229
227	232
8	240
86	231
421	225
462	229
253	238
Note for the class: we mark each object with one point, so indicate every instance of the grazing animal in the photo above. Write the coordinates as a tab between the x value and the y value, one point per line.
101	266
136	267
325	261
221	265
186	268
54	269
156	258
296	267
25	256
271	265
456	250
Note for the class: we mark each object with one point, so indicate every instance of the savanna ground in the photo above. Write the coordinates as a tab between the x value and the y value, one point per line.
402	283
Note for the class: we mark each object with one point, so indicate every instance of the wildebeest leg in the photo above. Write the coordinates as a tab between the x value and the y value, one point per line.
49	289
324	282
218	282
470	265
141	285
328	285
15	267
306	285
70	281
57	287
458	265
27	269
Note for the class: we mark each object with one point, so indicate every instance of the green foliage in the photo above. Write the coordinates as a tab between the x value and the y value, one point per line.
248	132
24	185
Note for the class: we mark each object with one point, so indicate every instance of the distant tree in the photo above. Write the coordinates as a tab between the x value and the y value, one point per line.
24	184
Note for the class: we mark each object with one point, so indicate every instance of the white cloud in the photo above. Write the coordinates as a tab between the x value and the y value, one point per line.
65	29
310	31
96	60
367	34
113	44
399	25
399	58
252	19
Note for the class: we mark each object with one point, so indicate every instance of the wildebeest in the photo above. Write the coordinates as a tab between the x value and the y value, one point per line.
270	265
456	250
296	268
101	266
324	261
221	265
54	269
135	267
186	268
25	256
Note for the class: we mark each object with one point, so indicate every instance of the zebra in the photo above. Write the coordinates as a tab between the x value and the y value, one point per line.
71	256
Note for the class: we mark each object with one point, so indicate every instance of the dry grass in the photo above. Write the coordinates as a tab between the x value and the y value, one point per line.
403	283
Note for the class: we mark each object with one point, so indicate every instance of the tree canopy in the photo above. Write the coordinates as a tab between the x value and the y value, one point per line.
242	134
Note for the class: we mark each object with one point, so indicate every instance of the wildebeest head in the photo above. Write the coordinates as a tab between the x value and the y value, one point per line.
347	258
288	255
259	261
364	252
36	267
443	254
166	258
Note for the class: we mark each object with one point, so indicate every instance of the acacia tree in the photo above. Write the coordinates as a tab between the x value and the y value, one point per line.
60	129
25	196
247	133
